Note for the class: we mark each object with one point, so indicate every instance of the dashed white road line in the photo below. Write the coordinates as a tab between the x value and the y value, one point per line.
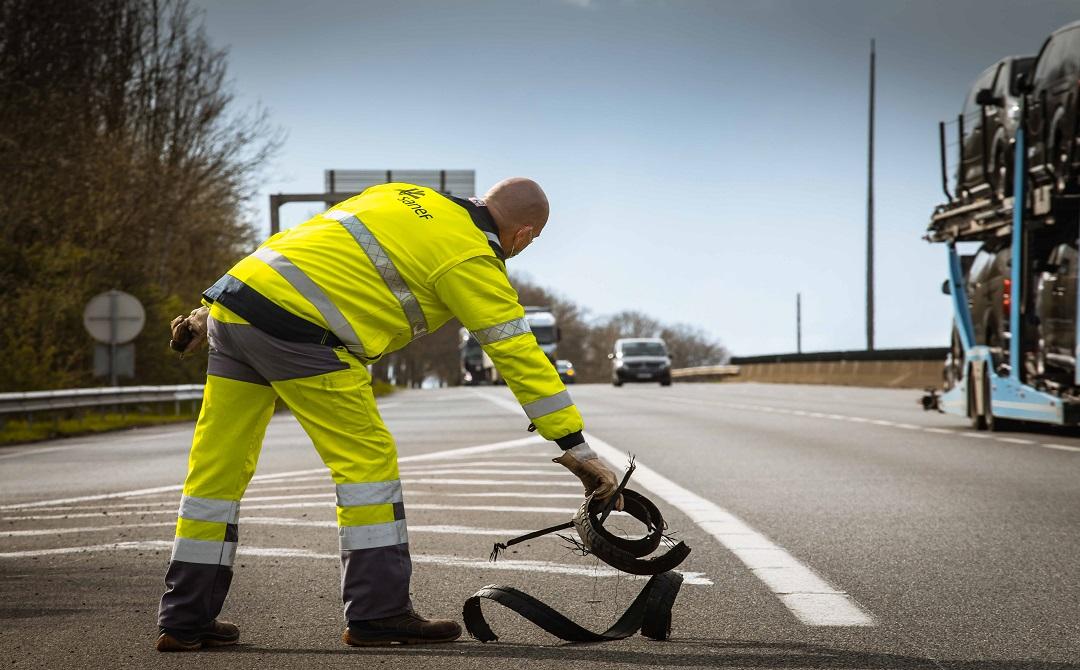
859	419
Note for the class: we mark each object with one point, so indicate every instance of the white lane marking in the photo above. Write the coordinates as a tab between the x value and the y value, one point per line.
39	450
270	521
569	512
1015	440
515	494
858	419
691	578
439	528
1062	447
328	504
491	482
483	471
384	405
325	491
509	463
480	449
809	597
84	529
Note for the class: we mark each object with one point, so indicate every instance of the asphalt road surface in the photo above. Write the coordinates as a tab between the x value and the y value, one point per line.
831	528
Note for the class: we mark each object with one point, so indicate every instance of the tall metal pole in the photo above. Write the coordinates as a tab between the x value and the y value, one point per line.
798	323
870	215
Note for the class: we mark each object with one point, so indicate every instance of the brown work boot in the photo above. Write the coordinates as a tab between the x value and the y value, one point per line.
217	634
407	628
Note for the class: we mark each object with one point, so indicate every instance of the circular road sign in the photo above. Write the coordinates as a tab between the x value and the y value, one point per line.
114	317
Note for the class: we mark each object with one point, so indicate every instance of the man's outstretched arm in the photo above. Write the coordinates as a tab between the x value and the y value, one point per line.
479	294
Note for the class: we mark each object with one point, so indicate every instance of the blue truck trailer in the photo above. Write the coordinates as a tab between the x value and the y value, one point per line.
995	385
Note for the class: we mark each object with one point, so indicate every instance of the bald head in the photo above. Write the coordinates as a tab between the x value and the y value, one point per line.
520	210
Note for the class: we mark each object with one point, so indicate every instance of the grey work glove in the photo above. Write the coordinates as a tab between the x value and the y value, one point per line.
596	477
189	332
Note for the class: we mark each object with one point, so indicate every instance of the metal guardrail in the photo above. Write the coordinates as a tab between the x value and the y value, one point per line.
42	401
919	354
705	372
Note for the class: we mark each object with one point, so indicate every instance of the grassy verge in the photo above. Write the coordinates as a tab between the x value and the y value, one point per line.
44	428
47	427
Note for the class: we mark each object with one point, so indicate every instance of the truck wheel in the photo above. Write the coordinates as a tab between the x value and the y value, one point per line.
978	421
988	416
993	424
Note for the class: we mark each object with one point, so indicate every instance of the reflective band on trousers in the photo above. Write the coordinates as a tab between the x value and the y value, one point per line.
369	493
502	331
545	406
303	284
389	273
209	509
375	535
203	551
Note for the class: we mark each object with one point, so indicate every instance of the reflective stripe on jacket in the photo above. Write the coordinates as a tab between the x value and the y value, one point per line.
397	262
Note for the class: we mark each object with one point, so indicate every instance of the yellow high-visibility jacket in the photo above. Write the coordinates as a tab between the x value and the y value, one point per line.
388	266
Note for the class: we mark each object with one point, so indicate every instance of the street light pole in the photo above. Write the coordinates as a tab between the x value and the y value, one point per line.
798	323
870	215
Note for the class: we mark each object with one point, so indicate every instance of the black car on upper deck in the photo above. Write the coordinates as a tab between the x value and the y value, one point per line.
988	126
1052	118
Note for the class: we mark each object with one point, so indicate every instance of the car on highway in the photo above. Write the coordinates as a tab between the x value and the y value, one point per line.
991	115
566	371
1053	89
640	359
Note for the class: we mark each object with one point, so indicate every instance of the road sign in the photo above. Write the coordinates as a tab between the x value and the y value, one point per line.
114	317
114	361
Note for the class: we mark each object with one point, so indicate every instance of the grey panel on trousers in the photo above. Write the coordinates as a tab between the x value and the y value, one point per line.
203	551
369	493
221	365
375	582
386	269
194	595
545	406
373	535
209	509
274	359
299	280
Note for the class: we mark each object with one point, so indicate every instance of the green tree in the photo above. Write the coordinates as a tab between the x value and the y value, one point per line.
123	164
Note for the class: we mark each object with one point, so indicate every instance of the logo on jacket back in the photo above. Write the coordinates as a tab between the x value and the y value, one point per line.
408	196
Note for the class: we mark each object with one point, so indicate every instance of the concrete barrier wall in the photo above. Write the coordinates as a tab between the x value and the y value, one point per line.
885	374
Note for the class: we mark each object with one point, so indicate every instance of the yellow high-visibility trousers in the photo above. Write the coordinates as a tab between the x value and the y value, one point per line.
329	392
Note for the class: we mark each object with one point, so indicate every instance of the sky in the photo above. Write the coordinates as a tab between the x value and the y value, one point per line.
705	161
